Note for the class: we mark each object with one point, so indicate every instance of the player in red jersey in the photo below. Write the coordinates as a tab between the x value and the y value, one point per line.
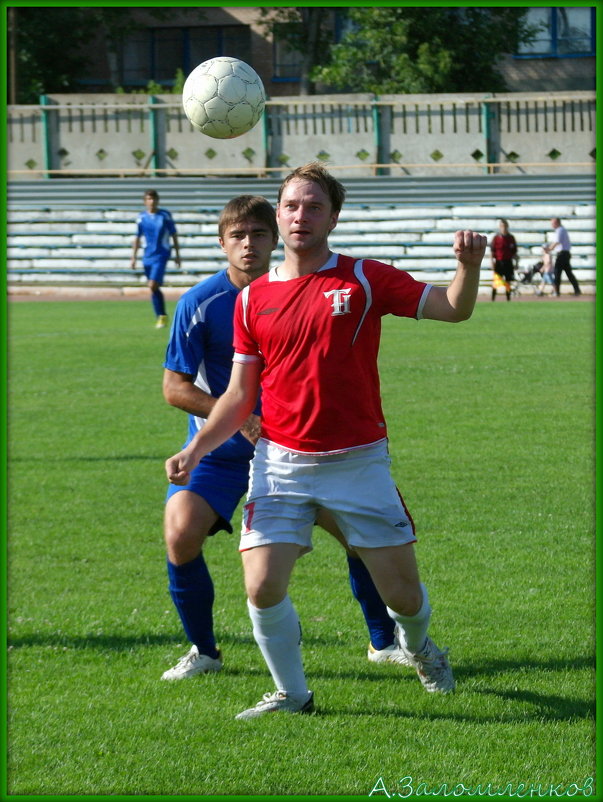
308	332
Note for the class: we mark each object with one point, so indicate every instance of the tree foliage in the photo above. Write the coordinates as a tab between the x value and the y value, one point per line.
424	50
55	45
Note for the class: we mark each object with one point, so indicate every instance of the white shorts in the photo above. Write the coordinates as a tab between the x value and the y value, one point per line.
287	490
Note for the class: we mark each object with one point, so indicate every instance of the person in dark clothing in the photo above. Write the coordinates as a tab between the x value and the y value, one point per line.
503	249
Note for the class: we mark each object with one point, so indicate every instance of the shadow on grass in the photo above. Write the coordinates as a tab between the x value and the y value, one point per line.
544	708
126	642
111	643
88	458
526	704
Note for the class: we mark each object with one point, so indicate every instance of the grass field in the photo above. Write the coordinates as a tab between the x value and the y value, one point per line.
492	437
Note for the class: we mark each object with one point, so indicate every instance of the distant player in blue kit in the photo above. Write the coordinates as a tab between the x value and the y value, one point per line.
198	364
156	227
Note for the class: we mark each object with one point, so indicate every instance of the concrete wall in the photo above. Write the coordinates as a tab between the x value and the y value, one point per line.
338	129
443	130
554	129
25	140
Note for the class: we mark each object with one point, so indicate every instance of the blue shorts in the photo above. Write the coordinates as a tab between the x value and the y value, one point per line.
155	270
222	483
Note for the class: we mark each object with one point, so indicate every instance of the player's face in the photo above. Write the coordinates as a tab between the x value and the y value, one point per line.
247	245
151	203
305	216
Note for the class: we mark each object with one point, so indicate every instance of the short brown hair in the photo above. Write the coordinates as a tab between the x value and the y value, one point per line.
244	207
151	193
314	171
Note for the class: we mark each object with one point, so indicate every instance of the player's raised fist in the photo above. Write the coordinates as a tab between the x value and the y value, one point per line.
469	247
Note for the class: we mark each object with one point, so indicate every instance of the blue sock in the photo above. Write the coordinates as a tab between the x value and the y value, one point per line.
158	302
192	592
380	625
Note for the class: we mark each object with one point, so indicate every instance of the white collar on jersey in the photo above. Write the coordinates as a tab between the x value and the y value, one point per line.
330	263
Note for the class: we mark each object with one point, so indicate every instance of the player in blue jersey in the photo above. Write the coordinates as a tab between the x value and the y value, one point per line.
156	227
197	371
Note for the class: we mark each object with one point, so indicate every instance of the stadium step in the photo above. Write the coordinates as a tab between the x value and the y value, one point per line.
49	241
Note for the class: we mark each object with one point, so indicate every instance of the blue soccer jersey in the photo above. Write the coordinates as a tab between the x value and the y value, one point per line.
156	230
201	345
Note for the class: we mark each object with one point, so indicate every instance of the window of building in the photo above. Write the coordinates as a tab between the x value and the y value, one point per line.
563	33
286	59
224	40
157	53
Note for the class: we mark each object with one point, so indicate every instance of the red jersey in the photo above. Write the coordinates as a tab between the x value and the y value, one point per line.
318	337
503	247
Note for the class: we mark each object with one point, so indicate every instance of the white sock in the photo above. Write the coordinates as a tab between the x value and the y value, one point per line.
414	627
277	632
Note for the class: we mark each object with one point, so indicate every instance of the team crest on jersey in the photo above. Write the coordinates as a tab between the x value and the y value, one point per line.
340	301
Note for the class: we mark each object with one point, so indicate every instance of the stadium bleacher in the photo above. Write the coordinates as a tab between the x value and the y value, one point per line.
80	232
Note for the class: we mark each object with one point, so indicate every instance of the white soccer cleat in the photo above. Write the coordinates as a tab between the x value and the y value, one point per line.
161	322
277	702
192	664
391	654
433	668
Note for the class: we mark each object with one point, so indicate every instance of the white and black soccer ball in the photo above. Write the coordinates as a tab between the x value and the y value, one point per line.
223	97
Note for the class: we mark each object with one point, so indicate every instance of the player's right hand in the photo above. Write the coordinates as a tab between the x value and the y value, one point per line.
178	468
469	248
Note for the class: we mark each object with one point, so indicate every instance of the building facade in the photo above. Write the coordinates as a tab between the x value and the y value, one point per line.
561	58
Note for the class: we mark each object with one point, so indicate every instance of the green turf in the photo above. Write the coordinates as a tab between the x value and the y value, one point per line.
492	439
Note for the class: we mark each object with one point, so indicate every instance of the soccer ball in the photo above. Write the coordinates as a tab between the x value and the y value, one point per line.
223	97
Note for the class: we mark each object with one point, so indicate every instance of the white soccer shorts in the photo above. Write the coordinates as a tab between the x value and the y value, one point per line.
287	489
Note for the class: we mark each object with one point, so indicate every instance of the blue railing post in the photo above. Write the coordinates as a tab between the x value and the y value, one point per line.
46	135
377	134
487	115
154	135
265	138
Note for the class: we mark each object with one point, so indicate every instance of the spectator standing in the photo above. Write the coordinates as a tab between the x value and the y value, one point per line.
561	246
547	271
503	250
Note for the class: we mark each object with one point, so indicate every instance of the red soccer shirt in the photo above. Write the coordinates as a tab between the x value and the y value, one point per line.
503	247
318	337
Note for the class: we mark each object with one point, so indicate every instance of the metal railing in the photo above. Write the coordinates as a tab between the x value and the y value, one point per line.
480	122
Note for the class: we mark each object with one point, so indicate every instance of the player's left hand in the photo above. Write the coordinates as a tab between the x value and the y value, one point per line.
251	429
469	248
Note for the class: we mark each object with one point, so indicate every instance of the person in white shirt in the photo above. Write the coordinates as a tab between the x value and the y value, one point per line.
560	245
